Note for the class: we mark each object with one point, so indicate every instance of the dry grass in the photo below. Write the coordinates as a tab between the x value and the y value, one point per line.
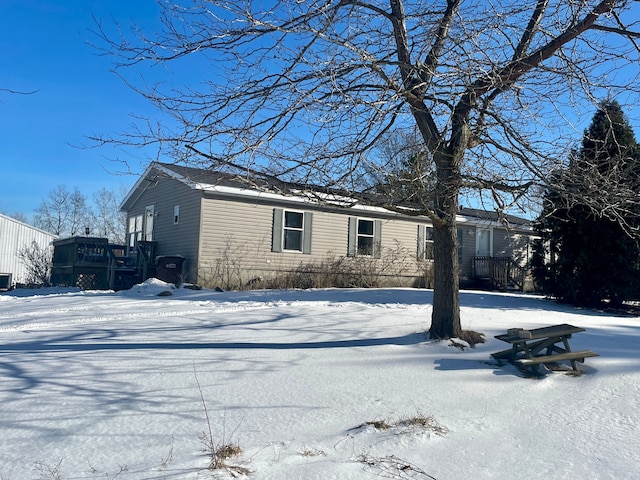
419	421
309	452
219	452
472	337
424	422
379	424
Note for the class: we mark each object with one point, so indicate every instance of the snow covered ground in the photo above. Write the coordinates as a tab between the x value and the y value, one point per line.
97	385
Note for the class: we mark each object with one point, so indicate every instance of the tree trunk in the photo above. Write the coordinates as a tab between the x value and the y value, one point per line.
445	317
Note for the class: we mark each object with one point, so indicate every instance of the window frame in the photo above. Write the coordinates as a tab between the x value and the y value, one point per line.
176	214
353	249
286	228
422	250
279	227
135	230
426	250
361	251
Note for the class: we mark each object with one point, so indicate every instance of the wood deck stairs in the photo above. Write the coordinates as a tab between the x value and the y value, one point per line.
499	273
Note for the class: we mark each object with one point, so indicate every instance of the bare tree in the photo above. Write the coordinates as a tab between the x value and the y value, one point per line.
63	212
52	213
108	221
20	216
305	90
79	214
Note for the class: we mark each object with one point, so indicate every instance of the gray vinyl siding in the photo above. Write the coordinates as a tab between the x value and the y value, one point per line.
501	243
330	235
511	244
171	238
236	240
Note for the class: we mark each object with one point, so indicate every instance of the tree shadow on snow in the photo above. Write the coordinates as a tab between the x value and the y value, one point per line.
71	346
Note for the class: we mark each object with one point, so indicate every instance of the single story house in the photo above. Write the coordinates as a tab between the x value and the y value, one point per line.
231	234
15	236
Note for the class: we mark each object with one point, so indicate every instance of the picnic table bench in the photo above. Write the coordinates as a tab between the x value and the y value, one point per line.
531	348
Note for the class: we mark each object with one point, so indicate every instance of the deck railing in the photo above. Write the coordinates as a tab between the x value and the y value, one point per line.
94	263
502	272
130	265
80	262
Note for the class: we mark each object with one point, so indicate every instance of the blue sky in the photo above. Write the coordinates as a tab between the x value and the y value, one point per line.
44	48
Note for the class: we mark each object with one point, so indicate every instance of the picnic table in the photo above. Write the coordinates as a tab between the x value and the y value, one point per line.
531	348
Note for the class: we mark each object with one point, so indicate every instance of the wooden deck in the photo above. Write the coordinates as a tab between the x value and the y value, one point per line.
93	263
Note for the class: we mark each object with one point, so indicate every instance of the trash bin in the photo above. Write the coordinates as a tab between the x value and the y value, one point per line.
169	268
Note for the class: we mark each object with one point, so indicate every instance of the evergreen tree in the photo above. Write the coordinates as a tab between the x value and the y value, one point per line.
585	257
410	182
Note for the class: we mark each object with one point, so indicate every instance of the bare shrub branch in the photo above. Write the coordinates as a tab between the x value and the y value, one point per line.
219	451
392	467
38	261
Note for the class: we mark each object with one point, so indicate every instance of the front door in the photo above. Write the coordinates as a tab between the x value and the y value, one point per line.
483	245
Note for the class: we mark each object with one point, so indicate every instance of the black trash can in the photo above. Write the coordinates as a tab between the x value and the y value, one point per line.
169	268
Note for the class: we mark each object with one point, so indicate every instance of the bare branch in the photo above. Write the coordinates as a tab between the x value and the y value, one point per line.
17	92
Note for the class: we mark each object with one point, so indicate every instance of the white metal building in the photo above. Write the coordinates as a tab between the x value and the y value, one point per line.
15	235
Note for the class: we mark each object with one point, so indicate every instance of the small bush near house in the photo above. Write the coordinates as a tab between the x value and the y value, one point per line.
38	262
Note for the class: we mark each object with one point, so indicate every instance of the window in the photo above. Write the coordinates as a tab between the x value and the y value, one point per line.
176	214
425	243
364	237
135	230
291	231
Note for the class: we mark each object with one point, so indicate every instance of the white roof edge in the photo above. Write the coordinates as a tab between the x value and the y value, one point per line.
191	184
252	193
143	177
135	186
15	220
167	171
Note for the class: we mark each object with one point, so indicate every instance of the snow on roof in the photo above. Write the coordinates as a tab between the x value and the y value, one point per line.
272	189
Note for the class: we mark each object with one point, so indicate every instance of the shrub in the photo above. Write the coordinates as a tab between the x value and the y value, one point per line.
38	262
